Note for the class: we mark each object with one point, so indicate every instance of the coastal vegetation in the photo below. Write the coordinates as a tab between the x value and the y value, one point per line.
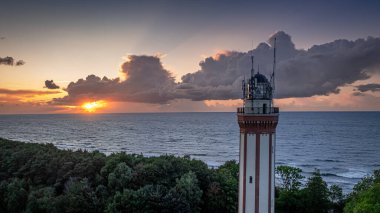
43	178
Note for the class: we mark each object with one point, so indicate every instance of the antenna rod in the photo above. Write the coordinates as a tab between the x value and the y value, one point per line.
274	63
252	70
258	68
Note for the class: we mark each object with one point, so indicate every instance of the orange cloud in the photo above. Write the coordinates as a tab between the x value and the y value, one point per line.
346	100
25	98
26	92
227	103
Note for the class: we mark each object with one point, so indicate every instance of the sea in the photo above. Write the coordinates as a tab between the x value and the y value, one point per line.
344	146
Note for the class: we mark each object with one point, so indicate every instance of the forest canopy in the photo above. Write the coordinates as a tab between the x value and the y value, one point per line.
43	178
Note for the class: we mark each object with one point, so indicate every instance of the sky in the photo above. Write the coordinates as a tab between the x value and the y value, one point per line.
176	56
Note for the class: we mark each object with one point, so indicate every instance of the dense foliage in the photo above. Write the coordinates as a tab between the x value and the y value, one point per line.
42	178
313	197
365	197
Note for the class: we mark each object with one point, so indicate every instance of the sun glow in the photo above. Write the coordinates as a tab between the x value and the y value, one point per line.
93	106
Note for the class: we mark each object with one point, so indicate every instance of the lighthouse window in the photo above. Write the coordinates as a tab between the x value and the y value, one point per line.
250	179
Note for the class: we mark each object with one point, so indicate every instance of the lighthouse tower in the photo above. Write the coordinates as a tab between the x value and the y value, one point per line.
257	120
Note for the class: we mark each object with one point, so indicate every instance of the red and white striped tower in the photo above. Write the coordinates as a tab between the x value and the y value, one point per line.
257	120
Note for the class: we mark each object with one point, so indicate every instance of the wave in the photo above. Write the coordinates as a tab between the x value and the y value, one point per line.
353	174
199	154
329	175
308	165
328	160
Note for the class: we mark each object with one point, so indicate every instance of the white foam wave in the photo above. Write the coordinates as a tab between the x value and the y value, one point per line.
356	174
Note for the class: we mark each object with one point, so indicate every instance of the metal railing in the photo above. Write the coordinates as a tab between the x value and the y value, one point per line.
258	110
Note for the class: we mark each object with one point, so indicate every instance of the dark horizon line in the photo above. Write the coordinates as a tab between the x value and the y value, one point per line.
100	113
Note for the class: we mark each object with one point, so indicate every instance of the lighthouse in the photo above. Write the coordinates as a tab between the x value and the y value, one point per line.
257	120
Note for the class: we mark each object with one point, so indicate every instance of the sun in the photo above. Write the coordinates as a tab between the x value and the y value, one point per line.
93	106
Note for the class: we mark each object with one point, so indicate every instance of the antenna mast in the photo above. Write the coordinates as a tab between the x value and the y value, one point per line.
274	64
252	70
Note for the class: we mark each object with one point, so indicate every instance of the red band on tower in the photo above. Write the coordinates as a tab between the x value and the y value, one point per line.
257	184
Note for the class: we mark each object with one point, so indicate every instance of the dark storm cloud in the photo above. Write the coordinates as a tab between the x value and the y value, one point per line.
320	70
324	68
220	77
51	85
369	87
10	61
147	81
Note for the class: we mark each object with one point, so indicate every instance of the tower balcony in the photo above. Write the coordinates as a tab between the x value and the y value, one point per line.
258	110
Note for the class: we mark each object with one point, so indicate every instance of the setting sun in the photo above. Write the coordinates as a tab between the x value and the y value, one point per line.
93	106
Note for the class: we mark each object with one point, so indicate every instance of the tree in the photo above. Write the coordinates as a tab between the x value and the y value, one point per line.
336	198
290	201
126	201
288	194
16	195
187	194
78	197
229	173
120	177
316	194
367	201
365	197
221	195
290	177
41	200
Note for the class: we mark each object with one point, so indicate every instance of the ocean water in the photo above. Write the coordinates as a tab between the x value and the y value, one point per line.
345	146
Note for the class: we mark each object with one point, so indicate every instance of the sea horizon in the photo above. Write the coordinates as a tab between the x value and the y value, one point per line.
105	113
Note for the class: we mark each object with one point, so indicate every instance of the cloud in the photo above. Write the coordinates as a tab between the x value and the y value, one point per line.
346	100
219	78
93	87
146	81
26	92
15	106
7	61
20	63
22	101
319	70
358	94
51	85
323	68
10	61
369	87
